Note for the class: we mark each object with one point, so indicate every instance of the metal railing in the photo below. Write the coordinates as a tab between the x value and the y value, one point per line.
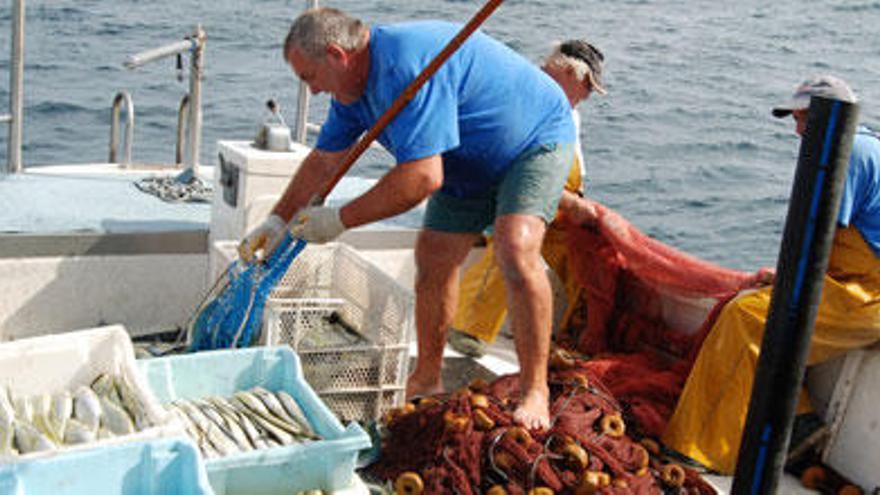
301	121
182	127
121	97
195	44
16	90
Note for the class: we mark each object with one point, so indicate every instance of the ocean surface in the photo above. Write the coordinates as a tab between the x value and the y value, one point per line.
683	145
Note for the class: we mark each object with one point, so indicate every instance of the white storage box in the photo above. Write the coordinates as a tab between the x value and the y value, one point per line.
55	363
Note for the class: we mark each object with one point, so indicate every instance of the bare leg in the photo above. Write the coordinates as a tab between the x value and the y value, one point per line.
518	246
439	256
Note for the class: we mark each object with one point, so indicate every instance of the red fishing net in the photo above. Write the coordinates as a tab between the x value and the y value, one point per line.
466	443
643	311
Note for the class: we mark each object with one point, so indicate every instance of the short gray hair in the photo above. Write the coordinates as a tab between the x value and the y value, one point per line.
562	61
317	28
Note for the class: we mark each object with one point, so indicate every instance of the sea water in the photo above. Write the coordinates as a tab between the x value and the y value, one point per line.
683	145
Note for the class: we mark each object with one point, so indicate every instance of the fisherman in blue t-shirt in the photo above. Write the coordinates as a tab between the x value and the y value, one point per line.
488	140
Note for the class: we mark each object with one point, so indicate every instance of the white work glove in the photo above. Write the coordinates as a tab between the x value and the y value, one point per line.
317	224
264	238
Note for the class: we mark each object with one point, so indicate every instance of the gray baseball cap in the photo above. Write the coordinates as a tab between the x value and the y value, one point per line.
590	55
825	86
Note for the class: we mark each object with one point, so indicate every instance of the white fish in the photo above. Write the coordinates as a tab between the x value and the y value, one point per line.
42	405
77	432
115	419
24	410
87	407
7	433
60	411
132	403
7	410
105	387
28	439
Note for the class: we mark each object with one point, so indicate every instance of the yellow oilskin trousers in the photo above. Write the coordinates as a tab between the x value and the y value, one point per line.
710	415
482	302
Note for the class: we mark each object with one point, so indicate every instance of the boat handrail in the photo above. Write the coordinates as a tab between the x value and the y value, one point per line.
122	96
16	90
195	45
182	127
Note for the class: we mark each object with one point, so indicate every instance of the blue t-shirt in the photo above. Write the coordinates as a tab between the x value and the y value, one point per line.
860	205
484	107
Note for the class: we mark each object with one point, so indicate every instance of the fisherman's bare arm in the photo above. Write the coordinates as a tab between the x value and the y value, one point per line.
401	189
316	170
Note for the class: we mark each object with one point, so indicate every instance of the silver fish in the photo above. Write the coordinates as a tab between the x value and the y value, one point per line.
272	403
294	411
250	430
229	424
248	402
221	443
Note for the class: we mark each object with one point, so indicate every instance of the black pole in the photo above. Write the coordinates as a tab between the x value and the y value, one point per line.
803	259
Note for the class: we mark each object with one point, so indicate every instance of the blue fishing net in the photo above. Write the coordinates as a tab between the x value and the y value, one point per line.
233	318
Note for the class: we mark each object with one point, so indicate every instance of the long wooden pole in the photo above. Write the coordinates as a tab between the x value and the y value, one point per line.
410	92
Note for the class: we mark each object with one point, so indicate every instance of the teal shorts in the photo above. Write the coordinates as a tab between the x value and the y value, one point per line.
531	186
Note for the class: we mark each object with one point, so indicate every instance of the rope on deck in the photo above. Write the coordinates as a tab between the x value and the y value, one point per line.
182	188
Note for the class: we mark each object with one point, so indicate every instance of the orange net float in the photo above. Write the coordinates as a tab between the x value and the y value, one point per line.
496	490
560	359
409	483
850	490
426	402
612	425
454	422
575	457
672	475
482	421
479	400
814	477
520	436
478	385
592	482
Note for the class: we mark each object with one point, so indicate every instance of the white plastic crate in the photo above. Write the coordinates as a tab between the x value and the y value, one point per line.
55	363
350	323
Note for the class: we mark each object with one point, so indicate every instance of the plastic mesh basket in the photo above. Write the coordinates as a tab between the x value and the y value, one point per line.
350	323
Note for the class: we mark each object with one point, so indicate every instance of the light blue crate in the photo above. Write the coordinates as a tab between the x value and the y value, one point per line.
327	464
154	467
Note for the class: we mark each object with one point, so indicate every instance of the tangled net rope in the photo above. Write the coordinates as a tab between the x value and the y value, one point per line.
467	443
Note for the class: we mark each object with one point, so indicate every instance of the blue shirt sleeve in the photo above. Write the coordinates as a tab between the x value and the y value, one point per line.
341	128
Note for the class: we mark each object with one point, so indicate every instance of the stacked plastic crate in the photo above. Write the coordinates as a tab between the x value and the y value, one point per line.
350	323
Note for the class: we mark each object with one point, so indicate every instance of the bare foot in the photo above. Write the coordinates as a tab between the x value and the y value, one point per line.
534	411
416	386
